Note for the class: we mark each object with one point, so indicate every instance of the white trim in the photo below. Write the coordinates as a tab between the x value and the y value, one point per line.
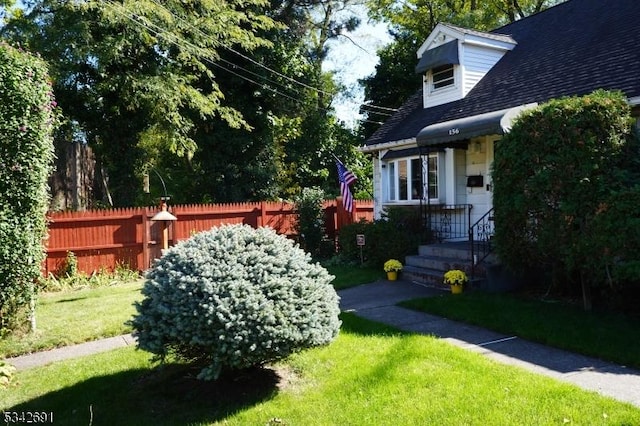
431	41
477	38
634	101
390	180
449	176
493	44
388	145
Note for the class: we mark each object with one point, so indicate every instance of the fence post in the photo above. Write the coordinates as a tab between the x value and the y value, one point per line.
344	217
263	214
145	240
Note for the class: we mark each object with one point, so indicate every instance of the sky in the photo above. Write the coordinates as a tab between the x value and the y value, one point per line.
355	59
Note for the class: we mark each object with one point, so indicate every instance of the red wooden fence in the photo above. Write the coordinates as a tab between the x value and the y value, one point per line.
103	239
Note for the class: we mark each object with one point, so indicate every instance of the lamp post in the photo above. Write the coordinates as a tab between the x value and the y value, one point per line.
164	217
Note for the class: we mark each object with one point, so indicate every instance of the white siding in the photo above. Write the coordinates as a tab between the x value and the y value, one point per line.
478	164
477	62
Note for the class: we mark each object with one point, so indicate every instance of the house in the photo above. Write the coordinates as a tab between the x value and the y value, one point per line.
436	151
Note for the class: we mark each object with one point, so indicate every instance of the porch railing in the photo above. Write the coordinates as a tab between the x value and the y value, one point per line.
480	236
448	222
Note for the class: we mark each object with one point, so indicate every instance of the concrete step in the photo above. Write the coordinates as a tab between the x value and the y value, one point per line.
437	262
450	251
434	278
424	276
433	260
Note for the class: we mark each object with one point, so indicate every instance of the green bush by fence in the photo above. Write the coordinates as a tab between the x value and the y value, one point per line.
396	235
26	154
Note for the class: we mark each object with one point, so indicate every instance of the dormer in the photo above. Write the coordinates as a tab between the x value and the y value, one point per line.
453	60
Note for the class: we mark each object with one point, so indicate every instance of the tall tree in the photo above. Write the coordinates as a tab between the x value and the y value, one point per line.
225	101
308	152
285	97
134	73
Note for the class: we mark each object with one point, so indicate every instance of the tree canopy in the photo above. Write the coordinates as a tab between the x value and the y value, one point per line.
226	99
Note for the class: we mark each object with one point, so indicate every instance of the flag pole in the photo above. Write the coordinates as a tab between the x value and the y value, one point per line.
338	160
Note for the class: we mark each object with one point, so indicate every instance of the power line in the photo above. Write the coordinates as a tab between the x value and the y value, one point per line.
248	58
182	43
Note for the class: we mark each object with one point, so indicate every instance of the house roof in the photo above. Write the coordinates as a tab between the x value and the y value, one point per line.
573	48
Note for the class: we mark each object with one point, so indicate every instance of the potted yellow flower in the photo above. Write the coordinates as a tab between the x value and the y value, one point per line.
456	279
392	267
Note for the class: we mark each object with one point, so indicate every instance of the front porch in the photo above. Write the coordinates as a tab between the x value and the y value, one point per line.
453	242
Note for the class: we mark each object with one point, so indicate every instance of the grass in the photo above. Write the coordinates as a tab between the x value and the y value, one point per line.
90	313
68	317
353	275
371	374
604	335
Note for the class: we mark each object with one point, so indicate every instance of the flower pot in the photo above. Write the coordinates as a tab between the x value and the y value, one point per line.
392	275
456	289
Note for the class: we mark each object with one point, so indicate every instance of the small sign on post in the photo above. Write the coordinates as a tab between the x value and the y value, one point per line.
360	242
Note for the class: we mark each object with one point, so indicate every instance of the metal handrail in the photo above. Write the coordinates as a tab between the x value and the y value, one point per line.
480	235
448	222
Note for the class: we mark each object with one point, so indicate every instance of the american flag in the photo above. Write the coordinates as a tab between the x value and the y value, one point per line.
346	178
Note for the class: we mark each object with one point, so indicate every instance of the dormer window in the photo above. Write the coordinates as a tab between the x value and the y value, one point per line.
452	60
442	76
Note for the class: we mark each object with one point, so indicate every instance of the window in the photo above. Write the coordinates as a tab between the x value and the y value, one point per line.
442	76
405	178
402	180
432	180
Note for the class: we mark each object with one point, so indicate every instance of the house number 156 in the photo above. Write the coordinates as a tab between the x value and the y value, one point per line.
454	131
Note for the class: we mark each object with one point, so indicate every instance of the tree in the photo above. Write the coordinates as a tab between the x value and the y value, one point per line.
26	152
133	74
226	100
559	177
307	152
285	97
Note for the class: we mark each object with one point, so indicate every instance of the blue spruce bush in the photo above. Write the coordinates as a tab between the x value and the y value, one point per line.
235	297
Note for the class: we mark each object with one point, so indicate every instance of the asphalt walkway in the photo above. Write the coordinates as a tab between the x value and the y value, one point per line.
377	301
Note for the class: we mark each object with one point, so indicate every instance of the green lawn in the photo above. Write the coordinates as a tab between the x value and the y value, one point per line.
371	375
76	316
353	275
604	335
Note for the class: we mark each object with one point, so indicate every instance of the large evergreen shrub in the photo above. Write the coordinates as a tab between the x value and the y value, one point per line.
26	154
235	297
557	178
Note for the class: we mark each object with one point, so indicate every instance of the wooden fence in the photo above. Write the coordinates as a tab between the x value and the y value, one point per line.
104	239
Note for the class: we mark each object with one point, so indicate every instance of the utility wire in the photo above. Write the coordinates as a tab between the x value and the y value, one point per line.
173	39
248	58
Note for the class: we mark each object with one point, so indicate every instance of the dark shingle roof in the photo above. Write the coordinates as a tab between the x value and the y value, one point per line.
570	49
